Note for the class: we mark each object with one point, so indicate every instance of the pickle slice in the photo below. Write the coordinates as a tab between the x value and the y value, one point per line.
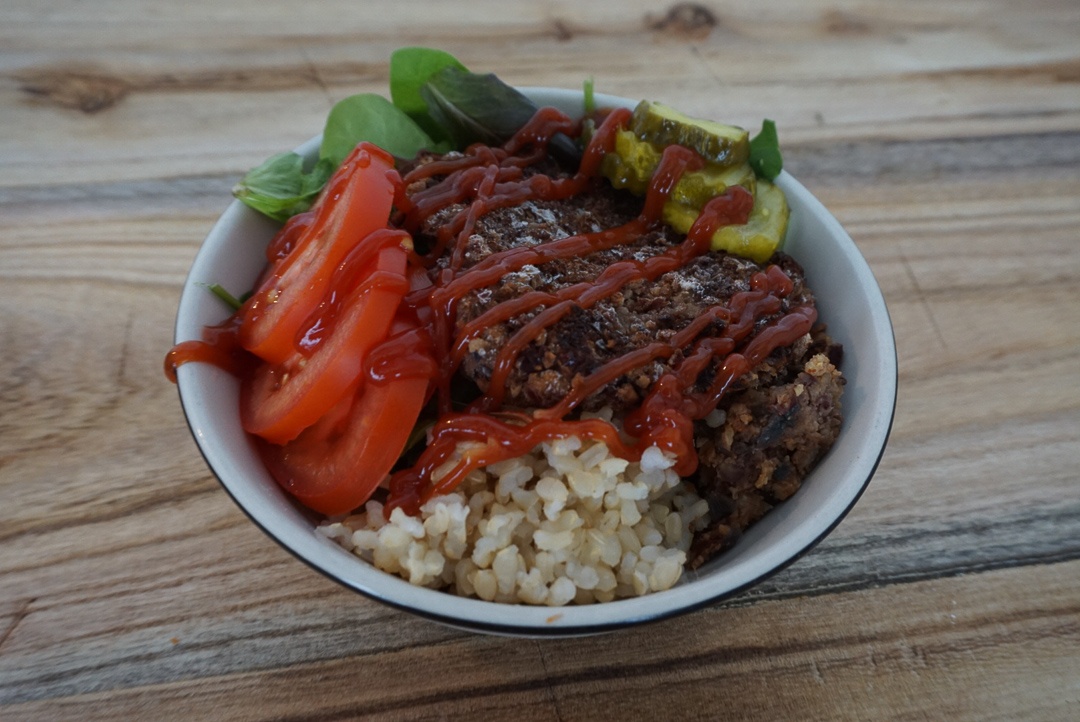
725	145
725	148
763	233
758	239
697	188
633	162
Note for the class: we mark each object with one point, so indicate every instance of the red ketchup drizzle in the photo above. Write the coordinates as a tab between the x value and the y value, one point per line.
483	434
483	179
220	346
352	276
284	242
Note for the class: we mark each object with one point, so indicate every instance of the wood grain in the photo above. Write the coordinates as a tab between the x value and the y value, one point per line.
945	137
834	657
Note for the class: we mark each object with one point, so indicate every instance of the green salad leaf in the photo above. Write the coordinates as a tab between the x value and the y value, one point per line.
410	69
475	108
765	156
478	108
375	119
281	187
436	104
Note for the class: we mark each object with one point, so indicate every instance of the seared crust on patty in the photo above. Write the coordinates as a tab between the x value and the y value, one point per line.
586	338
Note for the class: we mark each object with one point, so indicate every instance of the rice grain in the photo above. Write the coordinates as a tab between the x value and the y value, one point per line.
568	523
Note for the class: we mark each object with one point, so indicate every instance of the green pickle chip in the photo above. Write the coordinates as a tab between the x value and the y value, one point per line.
725	149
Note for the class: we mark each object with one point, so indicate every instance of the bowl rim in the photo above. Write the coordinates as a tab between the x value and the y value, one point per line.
524	620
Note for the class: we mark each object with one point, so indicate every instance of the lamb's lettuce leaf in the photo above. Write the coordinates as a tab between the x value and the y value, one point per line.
437	105
375	119
475	108
281	187
478	108
410	69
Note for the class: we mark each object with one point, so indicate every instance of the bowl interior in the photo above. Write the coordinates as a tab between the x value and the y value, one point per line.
849	300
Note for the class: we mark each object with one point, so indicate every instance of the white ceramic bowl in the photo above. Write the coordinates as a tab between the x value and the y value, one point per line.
849	300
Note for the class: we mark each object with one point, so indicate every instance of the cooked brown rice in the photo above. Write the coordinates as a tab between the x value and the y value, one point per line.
569	522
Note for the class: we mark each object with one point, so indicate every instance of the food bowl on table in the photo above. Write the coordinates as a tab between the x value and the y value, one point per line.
849	302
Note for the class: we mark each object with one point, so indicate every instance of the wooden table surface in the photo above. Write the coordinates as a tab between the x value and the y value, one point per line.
946	138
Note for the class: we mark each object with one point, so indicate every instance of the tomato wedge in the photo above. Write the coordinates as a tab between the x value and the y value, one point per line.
279	401
356	202
334	466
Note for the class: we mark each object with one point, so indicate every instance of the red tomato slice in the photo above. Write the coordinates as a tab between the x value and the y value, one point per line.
336	465
356	202
281	400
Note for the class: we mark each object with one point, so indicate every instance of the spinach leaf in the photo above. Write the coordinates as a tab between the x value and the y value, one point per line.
375	119
483	109
410	68
437	105
280	187
765	156
475	108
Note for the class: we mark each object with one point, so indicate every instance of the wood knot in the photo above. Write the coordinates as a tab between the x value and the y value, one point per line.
839	23
87	91
685	20
562	31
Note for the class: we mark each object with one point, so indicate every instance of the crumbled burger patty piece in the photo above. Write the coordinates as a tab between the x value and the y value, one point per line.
770	439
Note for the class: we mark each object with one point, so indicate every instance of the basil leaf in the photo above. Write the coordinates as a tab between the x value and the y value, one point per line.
765	156
483	109
375	119
410	68
280	187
